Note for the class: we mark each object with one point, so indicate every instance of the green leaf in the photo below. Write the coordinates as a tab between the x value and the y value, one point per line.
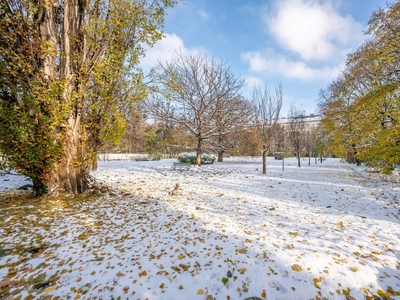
225	280
40	278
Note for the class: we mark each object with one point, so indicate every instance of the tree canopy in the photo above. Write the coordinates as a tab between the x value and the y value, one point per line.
68	70
201	95
361	108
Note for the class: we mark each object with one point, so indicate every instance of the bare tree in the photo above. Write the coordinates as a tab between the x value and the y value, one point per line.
296	131
202	92
232	115
267	109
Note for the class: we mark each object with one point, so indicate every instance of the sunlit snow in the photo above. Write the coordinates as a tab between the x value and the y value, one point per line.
327	230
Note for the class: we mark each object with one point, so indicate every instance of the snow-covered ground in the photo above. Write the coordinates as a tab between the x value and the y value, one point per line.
325	231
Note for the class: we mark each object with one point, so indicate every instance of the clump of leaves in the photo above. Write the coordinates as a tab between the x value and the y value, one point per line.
297	268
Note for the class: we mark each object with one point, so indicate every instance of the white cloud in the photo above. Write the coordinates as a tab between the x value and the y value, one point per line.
165	49
314	29
252	81
270	62
203	14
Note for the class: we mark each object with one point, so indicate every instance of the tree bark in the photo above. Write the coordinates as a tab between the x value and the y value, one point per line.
220	155
68	173
298	159
264	160
95	163
198	151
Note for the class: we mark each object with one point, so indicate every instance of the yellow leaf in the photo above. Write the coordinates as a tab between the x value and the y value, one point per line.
317	281
200	292
84	236
12	272
340	224
297	268
144	273
383	295
163	273
392	292
181	256
243	270
181	287
354	269
49	289
162	285
242	251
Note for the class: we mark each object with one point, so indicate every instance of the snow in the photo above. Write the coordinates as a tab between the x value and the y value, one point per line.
326	230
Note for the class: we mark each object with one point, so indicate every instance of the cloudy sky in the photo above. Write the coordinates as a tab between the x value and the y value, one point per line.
299	43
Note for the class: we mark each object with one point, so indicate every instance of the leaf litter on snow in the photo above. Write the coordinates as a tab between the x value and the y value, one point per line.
227	232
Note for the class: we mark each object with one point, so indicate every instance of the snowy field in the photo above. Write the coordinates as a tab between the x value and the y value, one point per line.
325	231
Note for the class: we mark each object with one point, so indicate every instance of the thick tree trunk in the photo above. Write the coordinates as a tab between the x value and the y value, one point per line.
69	174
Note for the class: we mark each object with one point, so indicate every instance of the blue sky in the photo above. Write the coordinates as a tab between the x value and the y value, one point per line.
299	43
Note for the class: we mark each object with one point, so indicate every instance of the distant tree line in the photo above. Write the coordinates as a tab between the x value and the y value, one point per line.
197	105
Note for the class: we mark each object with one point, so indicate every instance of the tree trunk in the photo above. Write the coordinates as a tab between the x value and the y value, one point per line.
198	151
69	173
298	159
264	160
309	158
94	163
220	156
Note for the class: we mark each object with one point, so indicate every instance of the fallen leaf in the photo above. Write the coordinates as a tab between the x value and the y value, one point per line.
264	294
242	251
297	268
142	274
49	289
242	270
317	281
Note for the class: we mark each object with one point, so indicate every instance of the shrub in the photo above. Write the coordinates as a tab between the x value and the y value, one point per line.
146	157
190	157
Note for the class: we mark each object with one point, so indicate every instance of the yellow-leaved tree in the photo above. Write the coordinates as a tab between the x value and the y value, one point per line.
68	69
361	108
